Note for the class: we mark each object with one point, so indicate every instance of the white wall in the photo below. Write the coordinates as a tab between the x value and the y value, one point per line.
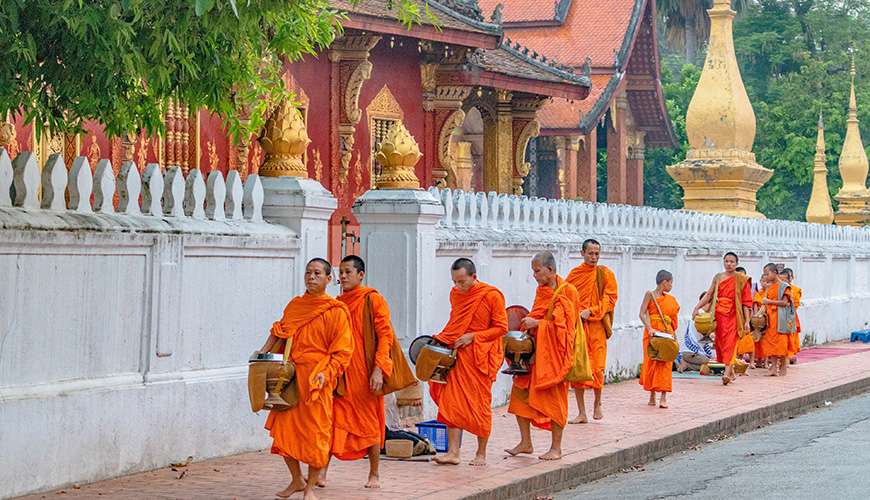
501	233
124	338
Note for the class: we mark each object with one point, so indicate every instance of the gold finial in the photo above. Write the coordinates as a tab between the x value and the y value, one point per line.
398	155
819	208
284	141
853	197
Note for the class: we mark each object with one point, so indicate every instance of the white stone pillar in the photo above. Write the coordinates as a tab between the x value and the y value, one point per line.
397	233
304	206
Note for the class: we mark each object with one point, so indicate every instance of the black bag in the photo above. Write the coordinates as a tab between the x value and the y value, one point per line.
422	446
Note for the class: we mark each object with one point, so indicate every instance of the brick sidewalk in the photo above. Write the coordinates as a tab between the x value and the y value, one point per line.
631	433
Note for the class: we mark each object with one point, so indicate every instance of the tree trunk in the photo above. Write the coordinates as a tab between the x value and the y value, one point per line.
691	40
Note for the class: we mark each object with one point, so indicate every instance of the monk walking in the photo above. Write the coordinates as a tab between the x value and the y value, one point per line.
731	298
541	397
777	297
746	344
315	328
359	414
794	340
598	291
658	316
477	323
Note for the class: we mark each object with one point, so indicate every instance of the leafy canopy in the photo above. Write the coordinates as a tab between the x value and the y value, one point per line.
118	61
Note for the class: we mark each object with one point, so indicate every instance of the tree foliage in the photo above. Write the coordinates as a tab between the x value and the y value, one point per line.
794	56
118	61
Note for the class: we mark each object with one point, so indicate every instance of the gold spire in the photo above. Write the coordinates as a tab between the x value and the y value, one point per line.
819	209
284	141
720	174
853	197
398	155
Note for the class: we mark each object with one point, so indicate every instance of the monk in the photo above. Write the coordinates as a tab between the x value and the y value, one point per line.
359	414
598	294
732	310
774	343
760	358
794	340
317	329
477	323
541	397
746	344
655	375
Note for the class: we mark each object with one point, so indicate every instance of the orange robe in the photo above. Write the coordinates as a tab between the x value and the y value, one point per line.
542	395
319	328
759	350
656	375
359	415
726	318
774	343
794	340
465	401
583	279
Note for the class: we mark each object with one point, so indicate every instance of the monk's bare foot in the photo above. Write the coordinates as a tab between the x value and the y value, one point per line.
374	482
652	401
447	460
663	404
478	461
597	414
291	489
553	454
321	482
309	495
792	360
520	449
579	419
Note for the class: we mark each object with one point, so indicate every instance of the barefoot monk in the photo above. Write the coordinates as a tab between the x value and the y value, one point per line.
541	397
597	288
315	328
477	323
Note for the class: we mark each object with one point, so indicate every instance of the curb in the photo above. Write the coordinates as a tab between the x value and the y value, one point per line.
576	474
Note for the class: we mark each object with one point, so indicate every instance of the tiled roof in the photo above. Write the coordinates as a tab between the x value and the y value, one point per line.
447	18
565	114
593	28
523	11
513	59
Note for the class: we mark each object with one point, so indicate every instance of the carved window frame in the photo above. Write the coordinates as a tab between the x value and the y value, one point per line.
385	107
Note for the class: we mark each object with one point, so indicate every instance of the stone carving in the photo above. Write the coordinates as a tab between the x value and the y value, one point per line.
360	74
284	141
399	155
445	153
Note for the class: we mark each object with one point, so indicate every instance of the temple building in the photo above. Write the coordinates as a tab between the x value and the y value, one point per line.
470	99
615	41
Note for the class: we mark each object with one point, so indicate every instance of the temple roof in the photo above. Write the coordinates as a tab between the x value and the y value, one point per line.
616	38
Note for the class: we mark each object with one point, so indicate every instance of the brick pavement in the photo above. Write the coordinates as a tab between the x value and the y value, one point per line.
631	433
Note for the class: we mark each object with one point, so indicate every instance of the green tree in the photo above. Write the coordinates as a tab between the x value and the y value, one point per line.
118	61
687	24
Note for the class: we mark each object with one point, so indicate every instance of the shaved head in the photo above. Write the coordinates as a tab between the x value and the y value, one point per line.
545	259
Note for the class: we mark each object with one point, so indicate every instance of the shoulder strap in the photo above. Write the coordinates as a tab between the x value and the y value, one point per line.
715	293
288	344
370	335
659	310
553	300
599	281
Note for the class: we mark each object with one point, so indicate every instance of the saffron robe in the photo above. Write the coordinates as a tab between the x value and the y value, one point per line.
319	328
794	340
359	415
756	300
729	316
465	401
656	375
774	343
542	395
583	277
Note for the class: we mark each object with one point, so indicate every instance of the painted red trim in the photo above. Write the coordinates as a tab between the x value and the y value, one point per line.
422	32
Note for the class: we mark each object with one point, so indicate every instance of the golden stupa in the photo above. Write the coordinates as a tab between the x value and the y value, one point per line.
719	174
819	208
854	197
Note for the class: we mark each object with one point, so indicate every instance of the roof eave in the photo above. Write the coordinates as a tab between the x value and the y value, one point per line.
421	31
515	83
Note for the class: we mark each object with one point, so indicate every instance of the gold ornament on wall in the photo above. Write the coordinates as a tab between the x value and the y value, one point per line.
284	141
213	160
398	155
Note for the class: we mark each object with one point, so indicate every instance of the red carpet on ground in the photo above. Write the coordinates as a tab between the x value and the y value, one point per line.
818	353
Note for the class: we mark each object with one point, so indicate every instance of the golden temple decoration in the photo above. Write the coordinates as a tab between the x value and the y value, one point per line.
71	147
819	208
8	137
318	166
530	130
719	174
213	159
94	152
446	146
284	141
463	164
398	156
854	197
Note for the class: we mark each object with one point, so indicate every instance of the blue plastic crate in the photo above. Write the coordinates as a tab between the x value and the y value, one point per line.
861	335
436	433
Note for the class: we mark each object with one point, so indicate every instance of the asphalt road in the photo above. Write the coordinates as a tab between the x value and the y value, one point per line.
822	455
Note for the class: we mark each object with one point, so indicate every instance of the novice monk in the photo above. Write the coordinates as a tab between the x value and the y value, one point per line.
760	292
775	344
541	397
317	329
359	414
596	312
655	376
477	323
746	344
733	300
794	340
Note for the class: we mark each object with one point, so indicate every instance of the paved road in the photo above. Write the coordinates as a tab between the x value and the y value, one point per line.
823	455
